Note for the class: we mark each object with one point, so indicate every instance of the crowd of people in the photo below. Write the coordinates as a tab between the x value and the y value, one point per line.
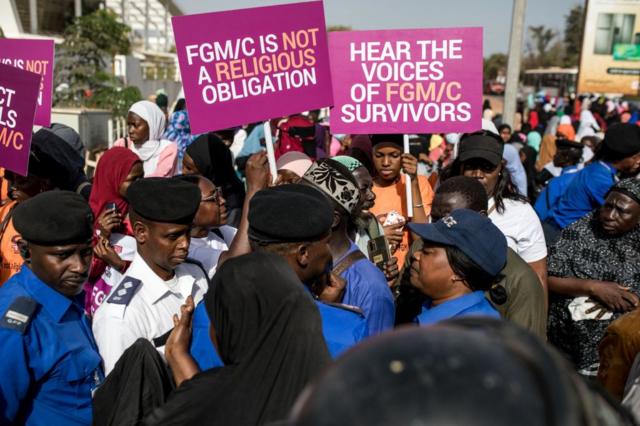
182	283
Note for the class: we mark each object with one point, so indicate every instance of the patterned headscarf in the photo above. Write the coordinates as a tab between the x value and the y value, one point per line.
335	180
349	162
628	187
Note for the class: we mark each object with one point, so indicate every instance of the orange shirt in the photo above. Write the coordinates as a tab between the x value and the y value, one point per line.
10	259
393	197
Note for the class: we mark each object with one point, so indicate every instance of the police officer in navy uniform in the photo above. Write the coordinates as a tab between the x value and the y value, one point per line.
158	281
50	361
294	221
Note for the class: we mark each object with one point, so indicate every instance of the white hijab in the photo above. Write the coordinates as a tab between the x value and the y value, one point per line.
149	152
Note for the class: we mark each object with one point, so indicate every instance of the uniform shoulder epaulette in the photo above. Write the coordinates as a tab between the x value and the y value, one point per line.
349	308
123	294
19	314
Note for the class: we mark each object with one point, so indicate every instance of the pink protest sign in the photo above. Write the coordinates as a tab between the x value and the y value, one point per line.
250	65
35	56
18	100
406	81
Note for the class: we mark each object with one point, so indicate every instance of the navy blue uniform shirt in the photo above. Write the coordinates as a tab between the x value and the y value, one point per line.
50	362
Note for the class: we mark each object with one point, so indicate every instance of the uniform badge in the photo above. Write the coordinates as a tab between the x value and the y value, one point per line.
19	314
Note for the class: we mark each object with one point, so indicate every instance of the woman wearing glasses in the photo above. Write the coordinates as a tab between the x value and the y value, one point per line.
210	234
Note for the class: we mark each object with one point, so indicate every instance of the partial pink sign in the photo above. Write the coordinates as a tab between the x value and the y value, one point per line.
249	65
406	81
35	56
18	100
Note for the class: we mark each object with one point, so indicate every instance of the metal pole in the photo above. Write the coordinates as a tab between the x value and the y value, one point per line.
166	26
78	4
513	64
146	24
124	15
33	16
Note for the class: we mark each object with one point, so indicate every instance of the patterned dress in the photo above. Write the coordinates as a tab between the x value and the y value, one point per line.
179	131
584	251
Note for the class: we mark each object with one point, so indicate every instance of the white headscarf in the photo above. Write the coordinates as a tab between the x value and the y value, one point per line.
149	152
154	117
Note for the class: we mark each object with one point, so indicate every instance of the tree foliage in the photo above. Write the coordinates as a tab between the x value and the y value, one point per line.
573	31
493	64
540	46
81	76
331	28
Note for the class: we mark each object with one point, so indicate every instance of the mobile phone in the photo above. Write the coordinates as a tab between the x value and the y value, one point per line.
378	251
111	206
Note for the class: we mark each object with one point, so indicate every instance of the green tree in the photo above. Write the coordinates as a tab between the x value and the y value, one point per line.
573	31
493	64
81	76
541	51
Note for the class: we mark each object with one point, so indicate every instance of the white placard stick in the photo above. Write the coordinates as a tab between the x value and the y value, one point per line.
407	180
271	156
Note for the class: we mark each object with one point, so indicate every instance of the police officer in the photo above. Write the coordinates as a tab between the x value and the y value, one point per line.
50	362
158	280
293	221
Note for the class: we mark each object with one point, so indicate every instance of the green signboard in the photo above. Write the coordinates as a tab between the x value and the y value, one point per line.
626	52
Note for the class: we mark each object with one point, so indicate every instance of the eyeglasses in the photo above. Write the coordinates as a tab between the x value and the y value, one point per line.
214	198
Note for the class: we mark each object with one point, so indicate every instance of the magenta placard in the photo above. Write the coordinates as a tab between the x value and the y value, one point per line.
35	56
406	81
249	65
18	100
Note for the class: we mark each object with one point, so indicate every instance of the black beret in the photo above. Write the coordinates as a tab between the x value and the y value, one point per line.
566	143
393	139
168	200
623	138
54	218
289	213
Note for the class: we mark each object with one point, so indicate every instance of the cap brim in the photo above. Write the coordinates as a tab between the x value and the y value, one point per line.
491	157
429	232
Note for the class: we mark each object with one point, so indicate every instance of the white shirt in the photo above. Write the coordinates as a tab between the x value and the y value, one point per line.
143	310
522	227
207	250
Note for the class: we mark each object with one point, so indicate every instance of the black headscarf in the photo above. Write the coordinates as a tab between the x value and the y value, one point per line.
215	162
54	158
269	337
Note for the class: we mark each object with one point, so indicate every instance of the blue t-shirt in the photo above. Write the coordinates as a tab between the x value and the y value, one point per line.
554	190
368	290
50	361
585	193
341	329
472	304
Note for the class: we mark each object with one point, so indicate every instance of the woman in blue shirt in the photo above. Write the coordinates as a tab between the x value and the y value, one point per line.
462	257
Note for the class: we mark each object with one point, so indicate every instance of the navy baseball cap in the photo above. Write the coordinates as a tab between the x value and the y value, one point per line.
470	232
